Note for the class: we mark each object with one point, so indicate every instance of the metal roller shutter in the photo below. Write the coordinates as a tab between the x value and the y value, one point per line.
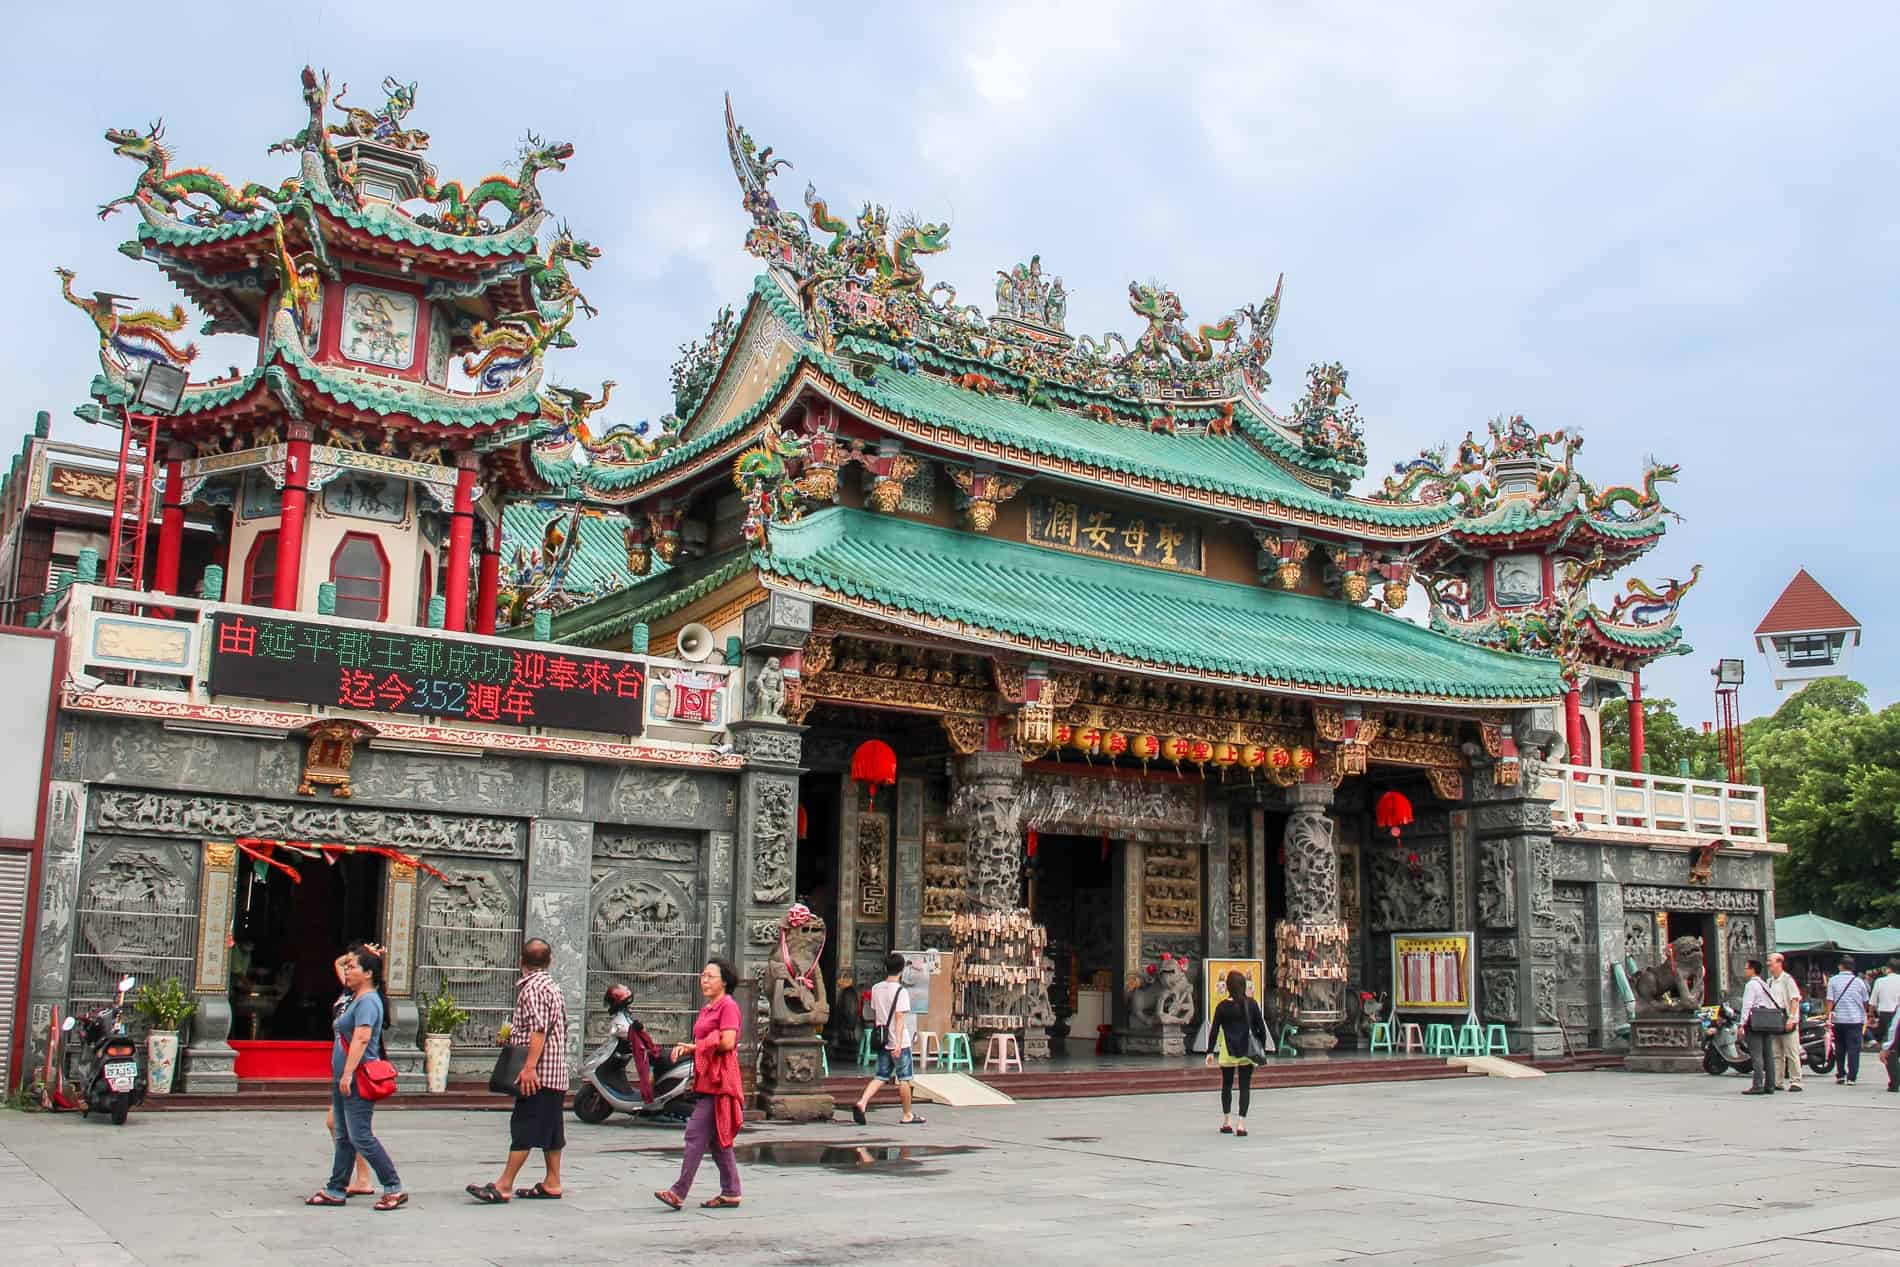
14	869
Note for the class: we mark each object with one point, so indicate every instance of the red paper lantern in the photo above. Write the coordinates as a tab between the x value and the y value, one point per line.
875	765
1393	812
1030	842
804	823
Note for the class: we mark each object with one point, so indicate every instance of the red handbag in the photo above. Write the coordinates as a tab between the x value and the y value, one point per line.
375	1080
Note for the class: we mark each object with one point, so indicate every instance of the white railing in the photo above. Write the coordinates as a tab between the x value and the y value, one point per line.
1599	800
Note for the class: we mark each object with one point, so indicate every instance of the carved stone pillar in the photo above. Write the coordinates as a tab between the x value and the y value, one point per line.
990	799
768	836
560	867
209	1064
1517	907
1312	902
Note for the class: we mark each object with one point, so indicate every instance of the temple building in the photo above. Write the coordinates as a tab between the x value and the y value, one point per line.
1070	657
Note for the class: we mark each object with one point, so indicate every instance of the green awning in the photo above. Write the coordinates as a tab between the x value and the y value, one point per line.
1794	933
1097	610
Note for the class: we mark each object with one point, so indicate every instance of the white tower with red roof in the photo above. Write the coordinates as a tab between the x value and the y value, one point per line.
1807	634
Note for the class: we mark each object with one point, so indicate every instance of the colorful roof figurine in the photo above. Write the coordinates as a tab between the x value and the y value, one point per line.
560	555
367	279
1805	607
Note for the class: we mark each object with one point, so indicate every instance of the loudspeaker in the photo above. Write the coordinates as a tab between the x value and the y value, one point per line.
696	642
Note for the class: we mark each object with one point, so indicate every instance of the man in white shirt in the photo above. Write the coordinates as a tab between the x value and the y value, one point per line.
891	1011
1847	1013
1888	1054
1886	999
1760	1041
1787	1044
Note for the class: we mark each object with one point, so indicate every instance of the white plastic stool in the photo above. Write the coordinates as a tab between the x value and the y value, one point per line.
1412	1038
1002	1054
927	1048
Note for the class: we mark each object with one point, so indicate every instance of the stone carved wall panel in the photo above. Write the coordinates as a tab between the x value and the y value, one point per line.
220	818
945	872
1404	897
1660	898
1497	885
1171	888
1499	986
776	811
874	866
468	937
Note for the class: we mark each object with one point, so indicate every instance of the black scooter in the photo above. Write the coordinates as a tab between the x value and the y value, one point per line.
1722	1047
111	1073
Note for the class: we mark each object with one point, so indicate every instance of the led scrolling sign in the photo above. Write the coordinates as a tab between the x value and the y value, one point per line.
380	671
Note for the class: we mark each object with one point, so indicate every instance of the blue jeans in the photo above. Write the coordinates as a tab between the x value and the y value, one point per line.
1847	1040
893	1068
353	1136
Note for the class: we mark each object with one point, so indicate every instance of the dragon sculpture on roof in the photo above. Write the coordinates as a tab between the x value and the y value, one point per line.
142	334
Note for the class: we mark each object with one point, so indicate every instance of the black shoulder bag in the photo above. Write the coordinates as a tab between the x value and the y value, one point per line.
504	1079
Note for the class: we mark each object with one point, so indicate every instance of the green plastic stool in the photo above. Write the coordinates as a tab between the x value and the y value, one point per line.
1440	1041
864	1049
1284	1046
956	1053
1470	1040
1496	1041
1381	1036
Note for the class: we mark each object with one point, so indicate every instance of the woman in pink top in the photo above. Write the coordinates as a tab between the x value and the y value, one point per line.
721	1098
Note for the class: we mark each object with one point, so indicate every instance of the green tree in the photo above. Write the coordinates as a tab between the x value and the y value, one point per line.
1665	739
1831	772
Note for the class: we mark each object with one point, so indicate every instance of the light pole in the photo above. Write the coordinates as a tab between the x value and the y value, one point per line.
156	393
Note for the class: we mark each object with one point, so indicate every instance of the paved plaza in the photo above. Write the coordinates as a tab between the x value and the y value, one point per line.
1586	1168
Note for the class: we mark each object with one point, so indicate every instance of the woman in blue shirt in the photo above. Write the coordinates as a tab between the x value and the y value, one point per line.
359	1037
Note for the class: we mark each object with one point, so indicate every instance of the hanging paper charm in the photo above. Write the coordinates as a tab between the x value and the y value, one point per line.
874	765
1393	812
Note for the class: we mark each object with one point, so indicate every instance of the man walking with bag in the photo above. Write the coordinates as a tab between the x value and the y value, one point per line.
891	1030
540	1027
1847	1014
1761	1022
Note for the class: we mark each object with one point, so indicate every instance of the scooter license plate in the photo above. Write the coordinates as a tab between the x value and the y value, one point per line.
120	1074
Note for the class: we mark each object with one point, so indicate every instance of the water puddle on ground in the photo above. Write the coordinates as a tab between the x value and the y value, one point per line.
906	1158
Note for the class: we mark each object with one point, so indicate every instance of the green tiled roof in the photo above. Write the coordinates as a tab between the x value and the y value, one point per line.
375	394
1161	618
656	596
375	219
1516	516
599	563
1647	638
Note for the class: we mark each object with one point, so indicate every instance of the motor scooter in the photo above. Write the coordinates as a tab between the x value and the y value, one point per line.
110	1069
1722	1048
605	1087
1817	1051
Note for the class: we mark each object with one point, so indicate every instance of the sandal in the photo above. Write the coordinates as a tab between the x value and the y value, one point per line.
666	1198
1241	1132
913	1120
394	1201
537	1193
324	1198
486	1193
720	1202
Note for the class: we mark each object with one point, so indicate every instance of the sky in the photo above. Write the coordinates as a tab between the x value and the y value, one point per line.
1669	226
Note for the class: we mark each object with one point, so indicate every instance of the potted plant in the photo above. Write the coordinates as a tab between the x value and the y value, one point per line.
165	1006
438	1023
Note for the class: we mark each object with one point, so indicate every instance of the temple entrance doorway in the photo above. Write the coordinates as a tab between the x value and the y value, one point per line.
1074	895
1274	844
1700	925
286	935
819	802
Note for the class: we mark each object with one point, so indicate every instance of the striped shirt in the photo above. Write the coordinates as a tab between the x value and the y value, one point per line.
1847	991
539	1008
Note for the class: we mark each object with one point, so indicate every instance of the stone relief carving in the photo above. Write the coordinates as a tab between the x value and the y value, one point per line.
874	858
642	924
1543	873
1171	887
1497	885
761	932
1407	897
1744	943
775	811
567	791
1545	981
1237	885
1657	898
1639	938
992	843
126	894
218	818
469	925
1312	868
680	849
945	874
765	691
1500	994
774	747
649	794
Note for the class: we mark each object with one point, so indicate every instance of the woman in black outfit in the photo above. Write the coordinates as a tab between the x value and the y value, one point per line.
1234	1020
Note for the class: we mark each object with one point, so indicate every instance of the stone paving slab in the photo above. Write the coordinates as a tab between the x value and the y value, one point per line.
1582	1168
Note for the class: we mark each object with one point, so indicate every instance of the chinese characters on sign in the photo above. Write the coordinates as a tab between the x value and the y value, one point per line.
1431	972
1131	536
380	671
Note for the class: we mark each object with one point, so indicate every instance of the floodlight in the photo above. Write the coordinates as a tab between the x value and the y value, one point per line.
1727	672
160	388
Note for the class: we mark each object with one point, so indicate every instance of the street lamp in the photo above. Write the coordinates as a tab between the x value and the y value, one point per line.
160	388
1728	685
155	393
1727	672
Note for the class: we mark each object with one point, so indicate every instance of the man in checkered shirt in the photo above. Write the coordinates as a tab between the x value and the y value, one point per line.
540	1025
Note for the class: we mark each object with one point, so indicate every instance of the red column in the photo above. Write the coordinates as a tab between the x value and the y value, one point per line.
290	525
489	583
461	537
1573	724
171	530
1637	762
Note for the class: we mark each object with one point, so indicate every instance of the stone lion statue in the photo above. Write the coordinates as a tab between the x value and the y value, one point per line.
792	978
1165	998
1673	986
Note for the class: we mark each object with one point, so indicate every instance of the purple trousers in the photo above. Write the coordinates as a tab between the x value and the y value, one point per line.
702	1134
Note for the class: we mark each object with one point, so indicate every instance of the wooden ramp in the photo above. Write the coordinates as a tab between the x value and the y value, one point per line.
958	1090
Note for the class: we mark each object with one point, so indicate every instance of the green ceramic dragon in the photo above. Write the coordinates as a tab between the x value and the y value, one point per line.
549	272
158	183
1640	503
869	248
1165	335
461	208
762	476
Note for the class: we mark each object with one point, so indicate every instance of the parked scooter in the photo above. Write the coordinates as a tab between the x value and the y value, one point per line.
1817	1051
111	1074
605	1087
1722	1048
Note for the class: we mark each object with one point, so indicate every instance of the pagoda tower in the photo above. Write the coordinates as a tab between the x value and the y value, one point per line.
400	322
1807	634
1514	569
